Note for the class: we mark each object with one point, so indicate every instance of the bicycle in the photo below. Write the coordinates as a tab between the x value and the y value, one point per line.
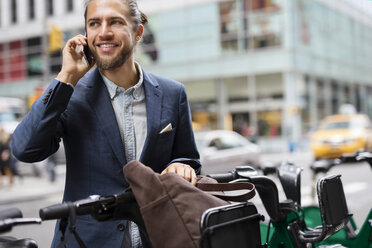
350	235
287	228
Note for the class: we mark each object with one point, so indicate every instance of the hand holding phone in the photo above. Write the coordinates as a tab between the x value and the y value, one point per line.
75	60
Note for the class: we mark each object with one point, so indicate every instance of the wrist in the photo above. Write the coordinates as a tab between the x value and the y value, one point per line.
68	78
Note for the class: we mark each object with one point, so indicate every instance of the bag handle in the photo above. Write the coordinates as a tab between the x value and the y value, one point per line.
230	187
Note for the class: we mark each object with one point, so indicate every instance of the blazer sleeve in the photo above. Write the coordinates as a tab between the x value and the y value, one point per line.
184	148
39	133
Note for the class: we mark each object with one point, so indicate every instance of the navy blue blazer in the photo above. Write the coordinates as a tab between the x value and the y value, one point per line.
84	119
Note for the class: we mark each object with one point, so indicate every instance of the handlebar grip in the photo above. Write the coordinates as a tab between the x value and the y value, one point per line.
10	213
55	211
224	177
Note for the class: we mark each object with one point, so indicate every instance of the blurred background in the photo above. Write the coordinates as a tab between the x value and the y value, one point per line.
269	70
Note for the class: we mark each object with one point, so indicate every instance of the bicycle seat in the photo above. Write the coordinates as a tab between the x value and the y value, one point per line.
11	242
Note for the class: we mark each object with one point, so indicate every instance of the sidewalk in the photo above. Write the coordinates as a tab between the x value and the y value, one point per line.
31	188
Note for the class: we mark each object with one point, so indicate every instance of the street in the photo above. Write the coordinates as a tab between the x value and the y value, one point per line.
356	178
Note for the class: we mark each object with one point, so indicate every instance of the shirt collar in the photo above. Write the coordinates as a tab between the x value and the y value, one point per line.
113	89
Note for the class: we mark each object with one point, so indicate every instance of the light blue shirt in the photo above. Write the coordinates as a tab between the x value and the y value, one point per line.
130	110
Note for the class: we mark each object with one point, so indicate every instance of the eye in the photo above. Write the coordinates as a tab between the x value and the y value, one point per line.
93	24
117	22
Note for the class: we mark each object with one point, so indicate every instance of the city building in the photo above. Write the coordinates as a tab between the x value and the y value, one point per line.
32	35
267	68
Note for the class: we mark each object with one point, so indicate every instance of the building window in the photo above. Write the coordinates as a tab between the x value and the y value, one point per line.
34	56
49	7
228	26
70	5
12	61
31	9
14	11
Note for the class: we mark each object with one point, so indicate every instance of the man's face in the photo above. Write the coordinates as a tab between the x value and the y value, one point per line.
110	32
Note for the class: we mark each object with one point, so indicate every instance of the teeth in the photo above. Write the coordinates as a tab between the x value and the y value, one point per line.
107	45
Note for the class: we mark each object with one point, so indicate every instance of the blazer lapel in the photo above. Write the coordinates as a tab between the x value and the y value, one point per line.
100	102
153	112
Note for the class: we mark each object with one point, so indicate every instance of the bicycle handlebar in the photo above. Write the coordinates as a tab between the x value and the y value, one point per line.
224	177
240	172
112	207
10	213
365	156
82	207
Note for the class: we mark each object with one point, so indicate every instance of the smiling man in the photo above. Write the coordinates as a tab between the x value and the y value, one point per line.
107	117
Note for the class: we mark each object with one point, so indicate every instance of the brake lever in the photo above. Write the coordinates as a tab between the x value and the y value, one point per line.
7	224
94	200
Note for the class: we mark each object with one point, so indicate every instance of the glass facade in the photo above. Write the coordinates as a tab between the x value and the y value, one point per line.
212	30
243	62
338	43
316	43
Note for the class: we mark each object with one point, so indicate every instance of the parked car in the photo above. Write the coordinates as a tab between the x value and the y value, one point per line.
11	112
223	150
8	121
340	134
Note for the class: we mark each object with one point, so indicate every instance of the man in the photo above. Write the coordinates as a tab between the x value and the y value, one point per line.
107	117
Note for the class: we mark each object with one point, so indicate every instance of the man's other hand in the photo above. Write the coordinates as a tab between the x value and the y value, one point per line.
184	170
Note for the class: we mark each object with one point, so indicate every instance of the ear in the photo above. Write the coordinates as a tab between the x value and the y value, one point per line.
139	32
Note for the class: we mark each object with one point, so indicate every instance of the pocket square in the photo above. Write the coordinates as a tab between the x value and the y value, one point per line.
167	128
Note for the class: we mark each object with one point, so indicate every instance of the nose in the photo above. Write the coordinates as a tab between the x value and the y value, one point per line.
105	31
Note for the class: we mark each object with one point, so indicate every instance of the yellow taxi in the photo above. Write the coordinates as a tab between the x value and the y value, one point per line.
341	133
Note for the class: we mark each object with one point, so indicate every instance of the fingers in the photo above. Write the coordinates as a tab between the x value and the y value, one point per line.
78	40
71	48
183	170
193	177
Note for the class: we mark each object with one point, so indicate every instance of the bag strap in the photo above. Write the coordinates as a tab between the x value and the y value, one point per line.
72	228
230	187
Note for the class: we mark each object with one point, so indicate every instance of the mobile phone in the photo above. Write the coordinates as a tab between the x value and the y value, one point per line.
87	53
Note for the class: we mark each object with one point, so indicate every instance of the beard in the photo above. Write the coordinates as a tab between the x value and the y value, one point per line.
117	61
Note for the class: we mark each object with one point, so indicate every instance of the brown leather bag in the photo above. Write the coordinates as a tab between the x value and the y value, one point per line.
171	207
